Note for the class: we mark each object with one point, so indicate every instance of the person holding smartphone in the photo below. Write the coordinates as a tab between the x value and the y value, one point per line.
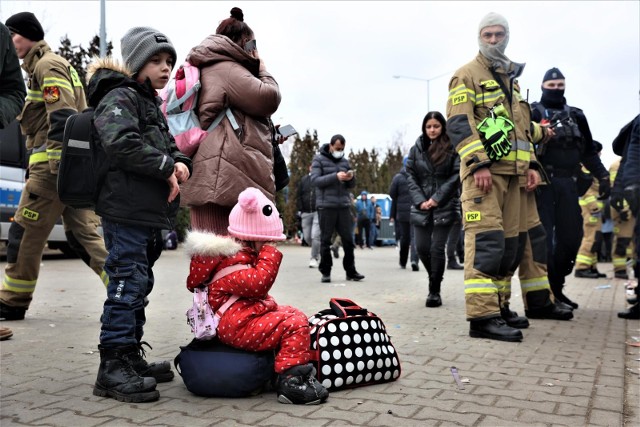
239	153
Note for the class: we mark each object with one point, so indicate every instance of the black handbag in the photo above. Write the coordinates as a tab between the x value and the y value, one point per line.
280	171
350	347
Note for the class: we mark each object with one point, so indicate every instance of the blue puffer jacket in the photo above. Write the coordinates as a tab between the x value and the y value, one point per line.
331	193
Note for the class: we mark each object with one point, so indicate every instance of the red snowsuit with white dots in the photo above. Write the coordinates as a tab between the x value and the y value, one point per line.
255	322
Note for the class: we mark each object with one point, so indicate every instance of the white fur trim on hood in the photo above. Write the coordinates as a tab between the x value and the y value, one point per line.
209	244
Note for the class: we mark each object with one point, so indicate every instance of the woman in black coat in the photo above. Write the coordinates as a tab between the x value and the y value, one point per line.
433	167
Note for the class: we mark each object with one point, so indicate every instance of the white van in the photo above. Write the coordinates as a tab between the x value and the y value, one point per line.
13	163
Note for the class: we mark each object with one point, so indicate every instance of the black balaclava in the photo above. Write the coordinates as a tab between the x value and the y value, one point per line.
553	97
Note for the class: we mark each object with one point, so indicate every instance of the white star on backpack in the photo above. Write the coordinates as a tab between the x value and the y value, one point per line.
117	111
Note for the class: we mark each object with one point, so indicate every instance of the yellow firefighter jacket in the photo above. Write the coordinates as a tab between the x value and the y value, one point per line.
473	91
54	92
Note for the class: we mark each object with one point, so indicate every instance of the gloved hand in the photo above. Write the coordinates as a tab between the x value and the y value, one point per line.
617	200
604	188
632	195
496	131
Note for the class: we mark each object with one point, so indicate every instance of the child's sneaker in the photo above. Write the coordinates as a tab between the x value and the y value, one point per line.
298	385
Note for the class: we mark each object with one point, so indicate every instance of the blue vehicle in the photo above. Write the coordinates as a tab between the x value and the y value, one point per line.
387	233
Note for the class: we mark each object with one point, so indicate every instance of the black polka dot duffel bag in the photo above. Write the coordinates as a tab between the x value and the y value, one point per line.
350	347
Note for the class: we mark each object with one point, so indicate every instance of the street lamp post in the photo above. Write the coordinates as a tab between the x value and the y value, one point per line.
103	30
424	80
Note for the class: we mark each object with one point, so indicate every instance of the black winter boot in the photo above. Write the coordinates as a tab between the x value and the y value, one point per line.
495	329
560	296
433	299
118	379
8	312
553	311
452	264
540	306
632	313
298	385
512	319
161	371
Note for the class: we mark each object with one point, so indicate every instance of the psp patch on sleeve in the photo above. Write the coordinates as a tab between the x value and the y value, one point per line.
472	216
51	94
459	99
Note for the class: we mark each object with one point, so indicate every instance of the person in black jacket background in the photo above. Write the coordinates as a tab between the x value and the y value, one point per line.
401	216
571	145
433	167
333	178
627	187
306	205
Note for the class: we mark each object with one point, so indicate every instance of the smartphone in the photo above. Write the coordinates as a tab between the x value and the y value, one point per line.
286	131
250	46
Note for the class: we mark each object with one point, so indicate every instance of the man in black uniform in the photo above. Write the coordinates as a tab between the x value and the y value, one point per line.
562	157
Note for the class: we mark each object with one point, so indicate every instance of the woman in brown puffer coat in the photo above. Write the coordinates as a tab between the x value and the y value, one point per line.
237	155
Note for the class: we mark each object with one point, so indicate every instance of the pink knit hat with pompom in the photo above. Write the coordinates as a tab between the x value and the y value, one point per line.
255	218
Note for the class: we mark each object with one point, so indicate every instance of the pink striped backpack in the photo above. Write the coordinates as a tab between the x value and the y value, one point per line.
179	102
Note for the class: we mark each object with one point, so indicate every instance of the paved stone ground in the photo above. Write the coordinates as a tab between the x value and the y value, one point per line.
564	373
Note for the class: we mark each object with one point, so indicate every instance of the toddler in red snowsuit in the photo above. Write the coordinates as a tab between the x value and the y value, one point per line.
255	322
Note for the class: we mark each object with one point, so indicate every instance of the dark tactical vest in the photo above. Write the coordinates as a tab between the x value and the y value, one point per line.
564	149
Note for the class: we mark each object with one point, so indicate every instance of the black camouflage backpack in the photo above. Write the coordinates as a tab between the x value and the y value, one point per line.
83	163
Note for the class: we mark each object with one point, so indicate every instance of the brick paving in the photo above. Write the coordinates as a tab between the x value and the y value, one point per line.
564	373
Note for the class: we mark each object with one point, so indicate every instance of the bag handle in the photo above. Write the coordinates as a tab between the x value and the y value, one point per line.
343	308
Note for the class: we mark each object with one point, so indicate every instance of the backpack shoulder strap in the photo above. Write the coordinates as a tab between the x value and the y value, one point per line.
220	274
141	117
228	270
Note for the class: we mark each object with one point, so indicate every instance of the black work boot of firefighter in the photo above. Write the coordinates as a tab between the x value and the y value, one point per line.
433	299
161	371
494	328
540	306
560	296
117	378
512	319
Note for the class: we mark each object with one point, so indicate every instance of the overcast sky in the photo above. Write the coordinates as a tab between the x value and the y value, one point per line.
335	61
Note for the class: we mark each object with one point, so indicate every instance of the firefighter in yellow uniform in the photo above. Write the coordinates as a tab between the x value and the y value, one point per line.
490	124
592	209
534	284
623	225
54	92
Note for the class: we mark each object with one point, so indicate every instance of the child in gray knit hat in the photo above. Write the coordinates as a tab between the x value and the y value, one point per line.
139	44
138	198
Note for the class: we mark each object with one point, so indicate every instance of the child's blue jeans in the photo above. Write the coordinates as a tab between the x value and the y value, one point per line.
133	250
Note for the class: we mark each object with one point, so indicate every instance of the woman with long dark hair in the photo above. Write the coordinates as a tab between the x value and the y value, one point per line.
433	166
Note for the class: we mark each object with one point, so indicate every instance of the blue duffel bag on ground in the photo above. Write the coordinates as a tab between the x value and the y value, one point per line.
213	369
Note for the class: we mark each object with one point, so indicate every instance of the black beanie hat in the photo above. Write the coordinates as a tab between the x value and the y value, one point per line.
552	74
27	25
